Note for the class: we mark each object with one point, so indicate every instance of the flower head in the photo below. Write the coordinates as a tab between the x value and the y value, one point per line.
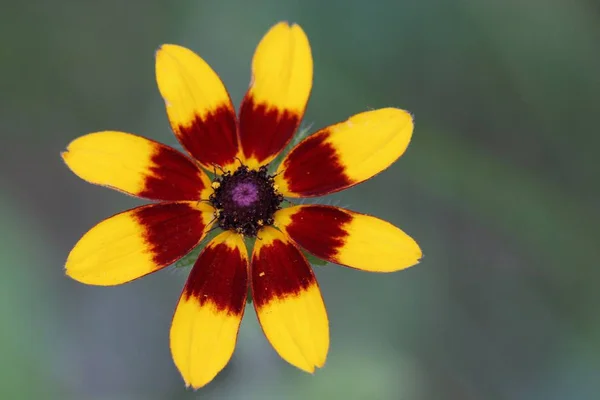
244	200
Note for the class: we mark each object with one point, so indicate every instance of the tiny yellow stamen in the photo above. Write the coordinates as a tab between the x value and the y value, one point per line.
215	185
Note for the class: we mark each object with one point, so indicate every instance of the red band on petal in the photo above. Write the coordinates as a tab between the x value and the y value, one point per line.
328	238
313	168
172	230
211	139
173	177
264	129
219	276
279	270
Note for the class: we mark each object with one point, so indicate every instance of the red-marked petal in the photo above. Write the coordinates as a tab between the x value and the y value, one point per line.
349	238
137	242
137	166
199	107
282	70
208	316
345	154
288	301
265	131
312	168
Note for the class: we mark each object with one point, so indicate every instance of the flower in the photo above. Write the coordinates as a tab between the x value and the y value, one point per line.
244	200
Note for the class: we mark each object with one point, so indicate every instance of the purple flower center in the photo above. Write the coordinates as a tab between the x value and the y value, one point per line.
245	194
245	200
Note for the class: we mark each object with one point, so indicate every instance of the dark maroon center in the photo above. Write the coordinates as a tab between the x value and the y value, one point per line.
245	200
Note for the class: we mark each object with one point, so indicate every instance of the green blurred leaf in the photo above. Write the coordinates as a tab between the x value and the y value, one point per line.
26	354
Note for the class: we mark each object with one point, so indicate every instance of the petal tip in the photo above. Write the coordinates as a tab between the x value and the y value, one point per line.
419	258
67	272
290	29
414	250
163	47
298	28
282	24
398	112
309	369
81	278
194	386
64	153
311	366
161	51
288	25
168	50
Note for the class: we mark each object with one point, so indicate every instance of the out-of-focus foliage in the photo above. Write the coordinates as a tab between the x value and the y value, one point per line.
499	186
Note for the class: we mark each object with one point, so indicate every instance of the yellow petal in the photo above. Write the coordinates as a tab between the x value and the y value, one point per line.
349	238
288	301
282	72
345	154
137	242
198	106
137	166
208	316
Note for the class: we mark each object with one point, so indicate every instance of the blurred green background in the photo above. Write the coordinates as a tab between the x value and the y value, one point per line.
499	186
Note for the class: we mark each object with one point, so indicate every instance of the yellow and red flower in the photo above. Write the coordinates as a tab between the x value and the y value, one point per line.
244	200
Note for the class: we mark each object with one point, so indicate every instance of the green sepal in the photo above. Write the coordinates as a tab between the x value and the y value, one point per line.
249	297
314	260
301	134
189	259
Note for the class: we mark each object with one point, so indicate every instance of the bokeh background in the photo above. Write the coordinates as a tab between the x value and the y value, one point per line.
499	186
